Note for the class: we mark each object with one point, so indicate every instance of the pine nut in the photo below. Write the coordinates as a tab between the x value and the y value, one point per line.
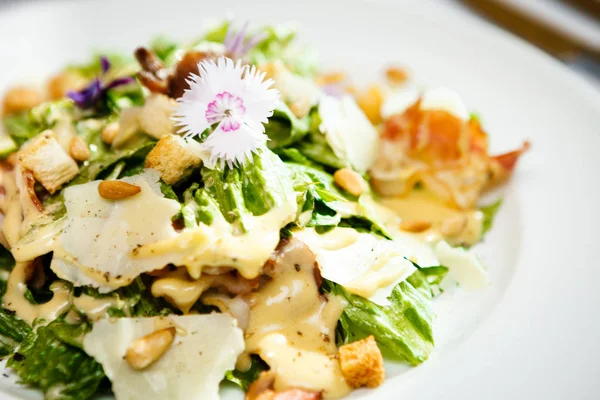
116	190
350	181
78	149
148	349
415	226
109	132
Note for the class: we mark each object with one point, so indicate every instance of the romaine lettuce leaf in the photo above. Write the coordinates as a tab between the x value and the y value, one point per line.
23	126
245	378
489	212
50	358
428	280
404	328
137	296
12	331
251	189
284	128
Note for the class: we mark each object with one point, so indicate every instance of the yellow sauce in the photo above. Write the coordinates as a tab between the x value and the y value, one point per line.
218	245
292	327
11	209
15	300
179	289
455	226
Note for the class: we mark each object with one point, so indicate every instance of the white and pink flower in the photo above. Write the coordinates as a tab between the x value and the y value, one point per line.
234	97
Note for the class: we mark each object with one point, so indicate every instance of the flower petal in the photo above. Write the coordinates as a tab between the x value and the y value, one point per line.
233	147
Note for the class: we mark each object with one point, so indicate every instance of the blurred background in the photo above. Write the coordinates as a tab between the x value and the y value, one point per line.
569	30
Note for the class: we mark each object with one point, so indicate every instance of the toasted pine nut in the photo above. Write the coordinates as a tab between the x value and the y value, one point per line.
415	226
396	75
116	190
60	84
370	101
109	132
78	149
148	349
453	226
350	181
21	98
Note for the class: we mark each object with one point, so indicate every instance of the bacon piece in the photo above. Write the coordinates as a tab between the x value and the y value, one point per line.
30	186
262	389
234	283
153	74
447	155
178	81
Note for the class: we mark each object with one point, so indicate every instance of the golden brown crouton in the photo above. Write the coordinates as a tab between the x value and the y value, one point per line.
362	363
173	158
50	164
21	98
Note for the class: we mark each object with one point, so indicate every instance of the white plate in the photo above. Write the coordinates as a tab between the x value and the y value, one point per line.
535	333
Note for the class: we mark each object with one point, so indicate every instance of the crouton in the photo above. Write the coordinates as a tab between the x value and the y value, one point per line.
155	117
362	364
173	158
129	125
21	98
48	161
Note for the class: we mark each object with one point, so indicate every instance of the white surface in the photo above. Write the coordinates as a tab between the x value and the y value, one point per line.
534	333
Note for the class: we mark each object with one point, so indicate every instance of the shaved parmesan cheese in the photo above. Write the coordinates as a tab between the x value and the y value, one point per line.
205	348
444	99
100	236
350	134
463	265
362	263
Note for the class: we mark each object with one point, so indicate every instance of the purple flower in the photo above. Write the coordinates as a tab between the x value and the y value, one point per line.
236	44
89	96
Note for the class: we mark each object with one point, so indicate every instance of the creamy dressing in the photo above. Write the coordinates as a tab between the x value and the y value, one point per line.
11	209
15	300
292	326
179	289
454	225
217	245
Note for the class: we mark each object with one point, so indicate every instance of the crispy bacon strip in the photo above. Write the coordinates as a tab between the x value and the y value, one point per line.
447	155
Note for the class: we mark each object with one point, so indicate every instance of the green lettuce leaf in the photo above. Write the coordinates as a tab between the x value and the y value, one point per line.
25	125
245	378
12	332
136	298
403	328
284	128
428	280
489	212
51	359
315	147
251	189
